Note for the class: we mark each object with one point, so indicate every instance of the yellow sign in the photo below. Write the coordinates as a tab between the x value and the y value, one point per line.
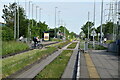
46	36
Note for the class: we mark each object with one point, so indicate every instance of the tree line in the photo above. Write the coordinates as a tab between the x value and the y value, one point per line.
35	28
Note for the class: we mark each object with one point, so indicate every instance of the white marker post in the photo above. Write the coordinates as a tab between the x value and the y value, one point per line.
93	33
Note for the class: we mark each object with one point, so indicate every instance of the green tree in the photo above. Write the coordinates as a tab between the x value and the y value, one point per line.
85	28
9	17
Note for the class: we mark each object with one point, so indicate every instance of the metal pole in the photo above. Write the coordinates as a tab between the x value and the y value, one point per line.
59	20
18	20
94	24
36	15
101	21
88	24
26	8
15	22
32	14
55	23
40	14
29	33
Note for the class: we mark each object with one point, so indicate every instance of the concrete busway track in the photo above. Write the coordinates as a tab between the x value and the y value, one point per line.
71	68
44	44
37	67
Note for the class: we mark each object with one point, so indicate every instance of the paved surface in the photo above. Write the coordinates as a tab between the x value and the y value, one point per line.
106	64
33	71
70	69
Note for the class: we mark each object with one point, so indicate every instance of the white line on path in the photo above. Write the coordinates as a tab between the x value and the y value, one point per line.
78	67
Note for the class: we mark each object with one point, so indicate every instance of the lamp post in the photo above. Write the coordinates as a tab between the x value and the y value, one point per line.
18	21
15	21
88	25
94	23
101	21
40	14
36	15
32	14
55	23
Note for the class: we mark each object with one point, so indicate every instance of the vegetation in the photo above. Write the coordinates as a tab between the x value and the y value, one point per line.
13	47
85	28
63	44
14	63
72	46
109	41
55	39
97	47
81	44
56	68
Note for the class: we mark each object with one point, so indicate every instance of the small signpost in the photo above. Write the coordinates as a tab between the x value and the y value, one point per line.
98	37
93	33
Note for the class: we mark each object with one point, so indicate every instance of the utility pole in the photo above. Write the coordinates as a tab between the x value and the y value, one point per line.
15	21
32	14
88	25
29	31
55	22
58	21
40	14
64	31
26	8
101	22
18	21
94	22
36	15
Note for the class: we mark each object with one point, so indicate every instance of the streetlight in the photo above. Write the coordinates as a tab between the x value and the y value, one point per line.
40	14
18	20
101	21
88	24
94	22
15	21
36	14
58	19
55	21
32	14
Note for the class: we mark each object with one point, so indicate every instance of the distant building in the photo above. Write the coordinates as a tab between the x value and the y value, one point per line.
2	24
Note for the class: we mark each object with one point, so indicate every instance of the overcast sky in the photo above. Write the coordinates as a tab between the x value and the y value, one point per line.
74	13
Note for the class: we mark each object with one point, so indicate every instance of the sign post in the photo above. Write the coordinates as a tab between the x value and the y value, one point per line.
98	37
93	33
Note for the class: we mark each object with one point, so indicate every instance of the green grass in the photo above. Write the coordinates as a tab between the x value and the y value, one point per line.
109	41
56	68
97	47
72	46
59	45
14	63
58	40
82	45
13	47
63	44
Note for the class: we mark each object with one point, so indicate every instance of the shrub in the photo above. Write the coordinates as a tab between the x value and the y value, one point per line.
7	34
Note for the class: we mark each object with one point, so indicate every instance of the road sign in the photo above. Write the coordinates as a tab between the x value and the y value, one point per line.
93	33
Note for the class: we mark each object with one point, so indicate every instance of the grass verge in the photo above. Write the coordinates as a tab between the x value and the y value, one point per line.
72	46
15	63
97	47
63	44
13	47
56	68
